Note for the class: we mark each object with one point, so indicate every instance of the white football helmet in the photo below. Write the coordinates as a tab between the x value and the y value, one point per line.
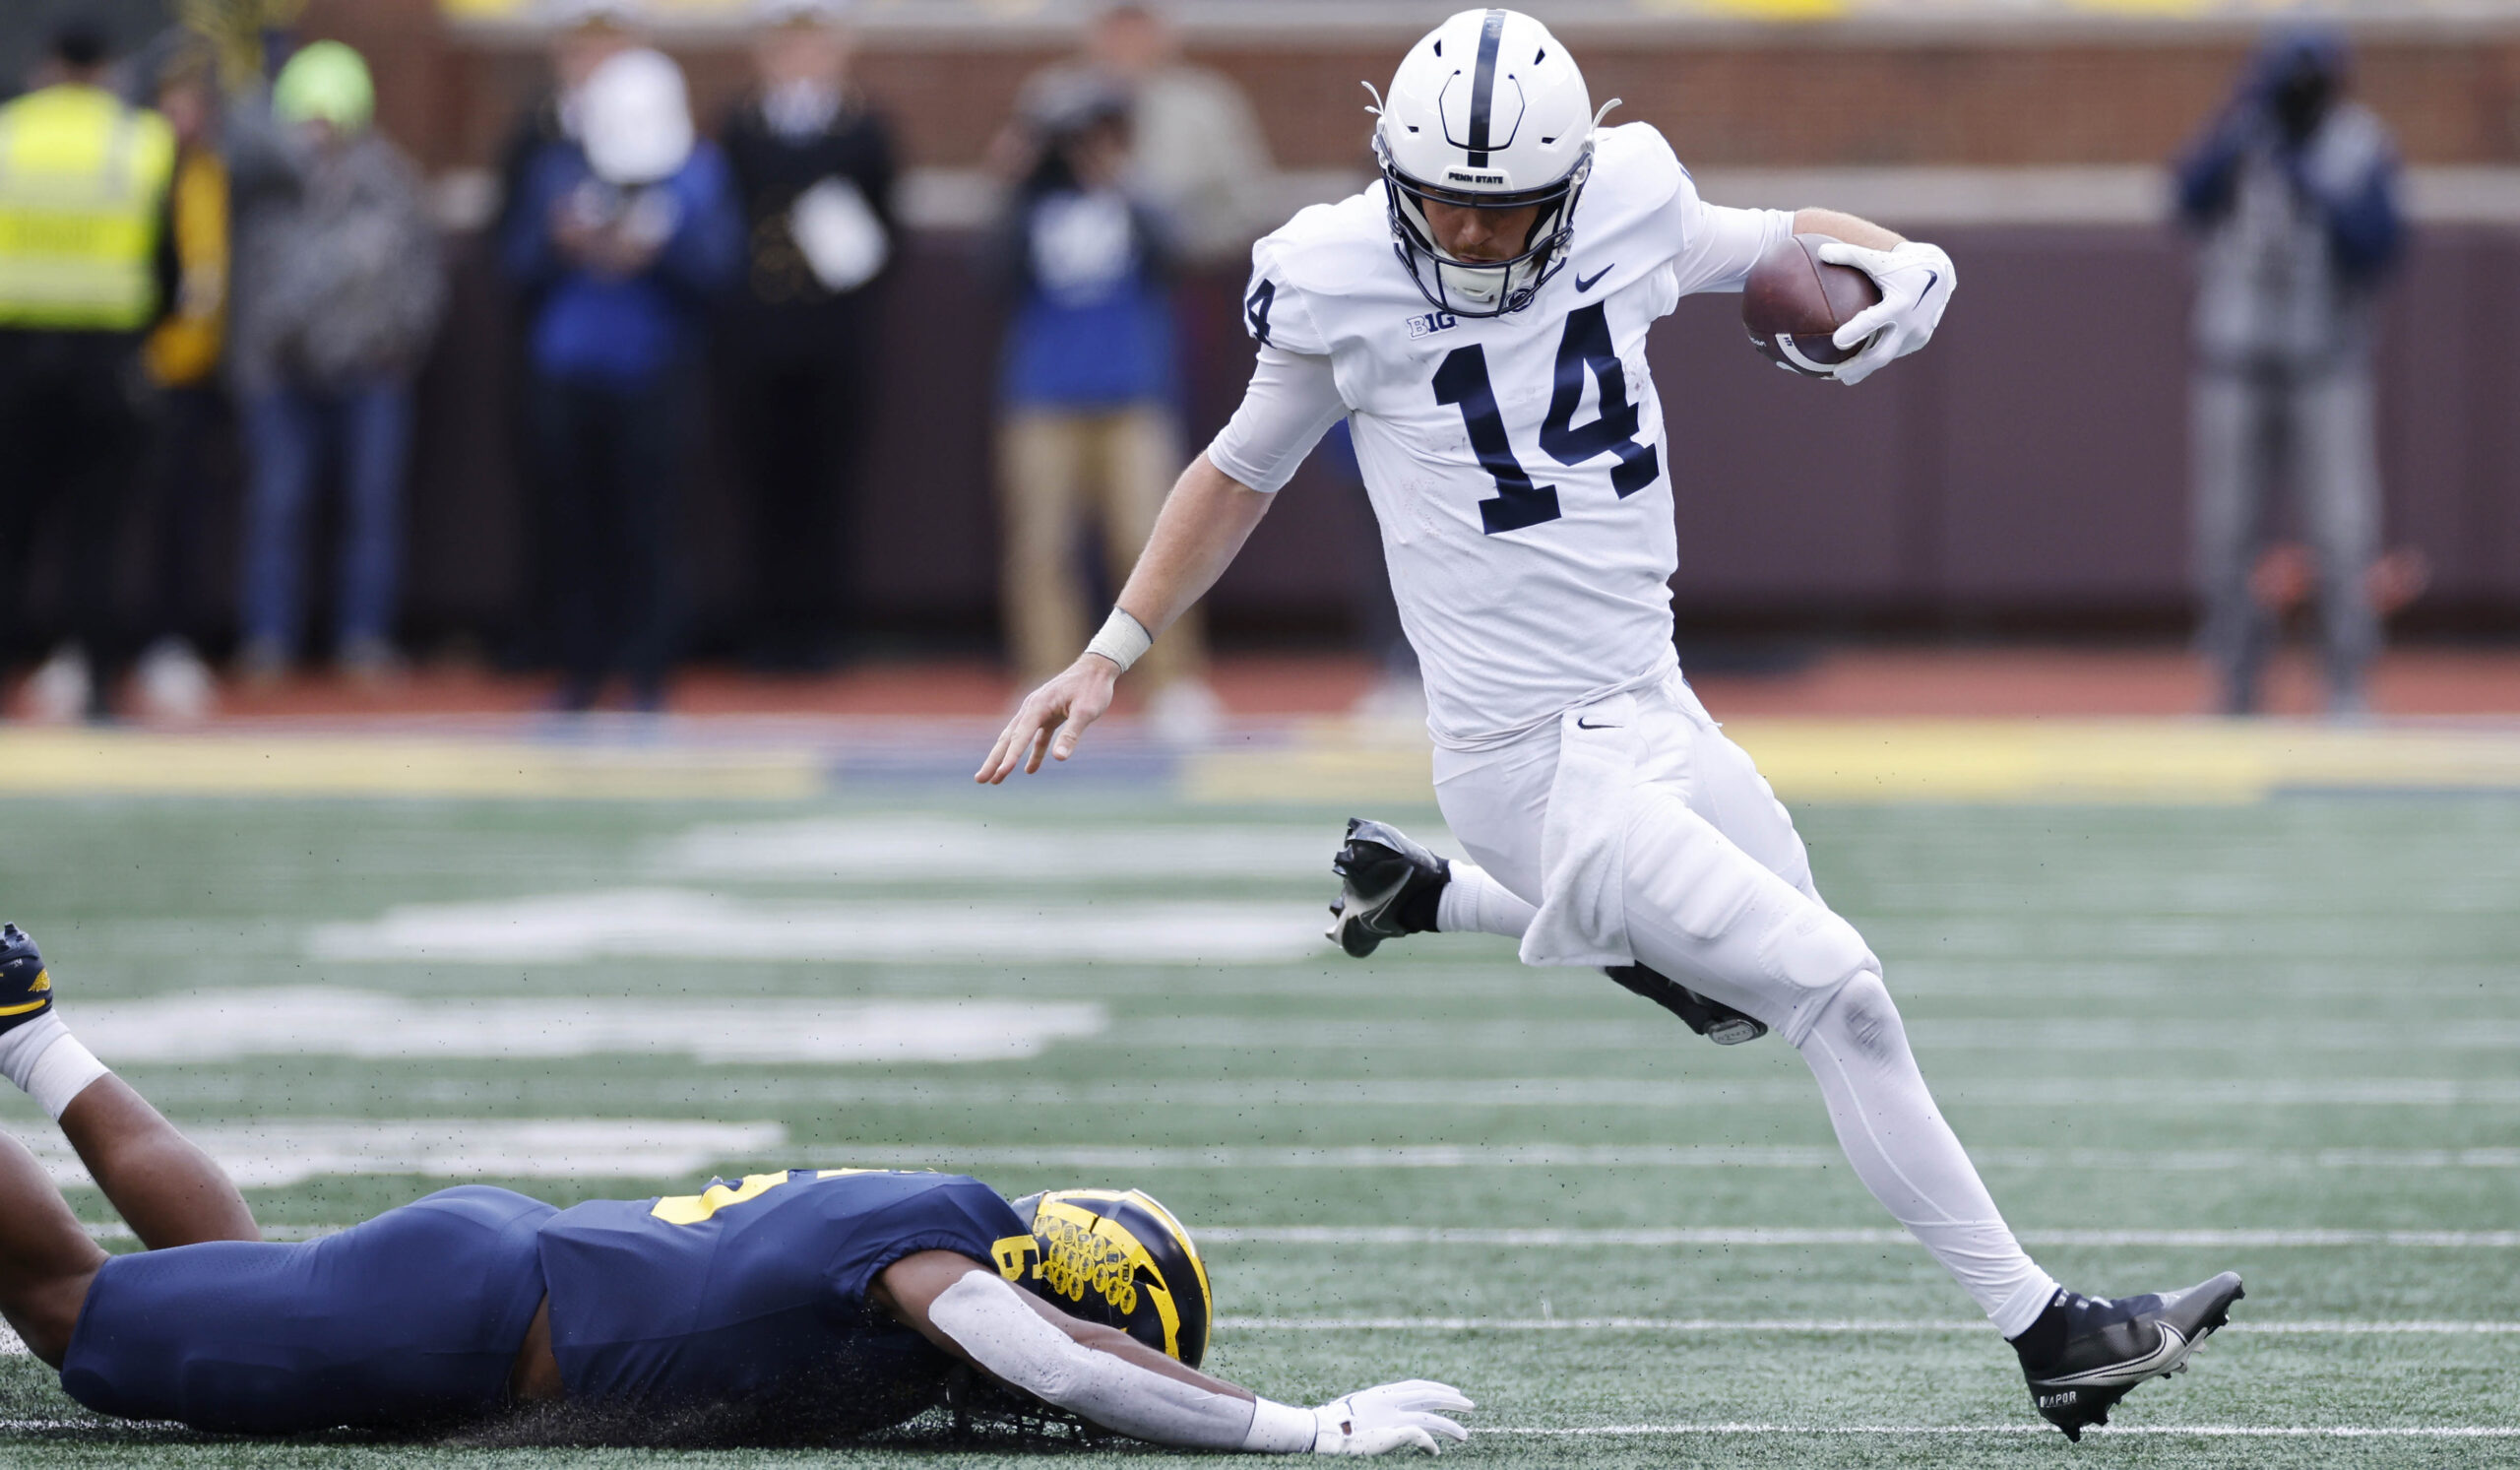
1488	111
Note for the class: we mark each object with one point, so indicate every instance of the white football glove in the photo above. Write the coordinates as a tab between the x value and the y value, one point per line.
1394	1415
1916	282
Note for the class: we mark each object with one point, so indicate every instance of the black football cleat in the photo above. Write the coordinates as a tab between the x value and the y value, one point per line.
25	986
1712	1019
1388	886
2086	1353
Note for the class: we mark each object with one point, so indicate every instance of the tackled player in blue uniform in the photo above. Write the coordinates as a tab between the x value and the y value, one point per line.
795	1307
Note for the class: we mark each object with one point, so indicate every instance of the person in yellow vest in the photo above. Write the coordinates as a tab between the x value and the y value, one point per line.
85	269
182	356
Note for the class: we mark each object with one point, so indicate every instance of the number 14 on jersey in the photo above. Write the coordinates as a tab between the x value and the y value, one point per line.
1462	380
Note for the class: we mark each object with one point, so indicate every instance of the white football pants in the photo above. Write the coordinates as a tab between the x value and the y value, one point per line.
1718	895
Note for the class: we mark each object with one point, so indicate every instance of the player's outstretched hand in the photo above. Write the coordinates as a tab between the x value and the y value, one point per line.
1916	282
1051	718
1395	1416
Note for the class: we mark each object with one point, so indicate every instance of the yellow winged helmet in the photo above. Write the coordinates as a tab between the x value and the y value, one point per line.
1117	1258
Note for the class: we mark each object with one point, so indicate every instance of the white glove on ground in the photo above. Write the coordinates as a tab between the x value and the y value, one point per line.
1394	1415
1916	282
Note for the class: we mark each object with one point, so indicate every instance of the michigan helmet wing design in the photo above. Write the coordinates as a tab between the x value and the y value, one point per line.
1117	1258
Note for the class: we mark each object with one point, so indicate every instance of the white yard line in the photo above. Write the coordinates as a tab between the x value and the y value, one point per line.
274	1153
277	1153
911	847
2143	1430
652	924
1810	1326
1776	1235
1650	1031
1654	1156
321	1021
1647	1430
1896	1431
1458	1093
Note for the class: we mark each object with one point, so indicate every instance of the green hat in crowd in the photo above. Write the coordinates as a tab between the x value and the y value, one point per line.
326	83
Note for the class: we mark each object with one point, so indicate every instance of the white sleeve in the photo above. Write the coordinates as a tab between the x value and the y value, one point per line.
1292	401
1003	1334
1718	244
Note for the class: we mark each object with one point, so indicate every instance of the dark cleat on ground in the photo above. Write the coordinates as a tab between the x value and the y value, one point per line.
1388	886
25	988
2086	1353
1712	1019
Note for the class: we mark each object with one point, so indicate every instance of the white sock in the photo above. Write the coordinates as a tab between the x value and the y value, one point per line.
45	1060
1909	1156
1474	902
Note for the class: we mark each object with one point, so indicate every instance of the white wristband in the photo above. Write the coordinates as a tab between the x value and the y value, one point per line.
61	1073
1280	1428
1124	640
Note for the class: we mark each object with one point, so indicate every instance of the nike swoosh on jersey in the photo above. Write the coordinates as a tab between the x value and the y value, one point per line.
1580	724
1584	283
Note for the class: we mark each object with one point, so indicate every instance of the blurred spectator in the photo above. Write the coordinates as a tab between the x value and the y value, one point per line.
1086	394
623	241
339	289
815	169
86	267
1196	150
584	34
2293	191
183	356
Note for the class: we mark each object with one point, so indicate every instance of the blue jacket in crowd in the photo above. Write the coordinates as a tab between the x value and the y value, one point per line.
2293	193
1092	325
2287	110
624	329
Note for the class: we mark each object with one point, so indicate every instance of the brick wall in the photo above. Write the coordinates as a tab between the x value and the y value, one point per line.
1735	99
2003	477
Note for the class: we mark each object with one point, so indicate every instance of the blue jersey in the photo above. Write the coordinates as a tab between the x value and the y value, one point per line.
758	1289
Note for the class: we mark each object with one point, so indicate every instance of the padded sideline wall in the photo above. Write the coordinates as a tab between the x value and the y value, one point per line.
2031	467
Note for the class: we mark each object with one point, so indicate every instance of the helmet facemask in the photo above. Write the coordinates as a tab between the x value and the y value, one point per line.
1479	287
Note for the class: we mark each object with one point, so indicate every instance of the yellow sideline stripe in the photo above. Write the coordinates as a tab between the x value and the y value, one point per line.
1759	10
2186	761
730	11
35	762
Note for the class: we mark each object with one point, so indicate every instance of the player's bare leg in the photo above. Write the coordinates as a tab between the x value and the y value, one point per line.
163	1186
46	1262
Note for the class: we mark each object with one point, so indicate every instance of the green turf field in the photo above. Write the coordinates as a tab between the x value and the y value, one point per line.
2281	1038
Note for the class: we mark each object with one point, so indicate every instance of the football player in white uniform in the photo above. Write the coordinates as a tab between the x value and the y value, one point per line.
1480	317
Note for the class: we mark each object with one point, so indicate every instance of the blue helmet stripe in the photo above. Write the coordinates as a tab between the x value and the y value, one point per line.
1482	86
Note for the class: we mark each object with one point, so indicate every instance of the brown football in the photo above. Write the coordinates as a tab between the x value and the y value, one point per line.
1791	304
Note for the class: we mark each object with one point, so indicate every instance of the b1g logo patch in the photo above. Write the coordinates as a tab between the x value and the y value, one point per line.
1431	322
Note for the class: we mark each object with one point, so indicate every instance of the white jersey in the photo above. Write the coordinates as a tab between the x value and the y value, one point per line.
1516	464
